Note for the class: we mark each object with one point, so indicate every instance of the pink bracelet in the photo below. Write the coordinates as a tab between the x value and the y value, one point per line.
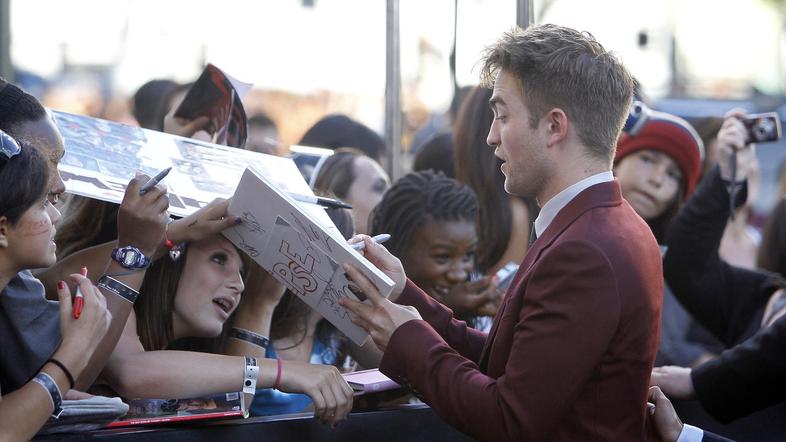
278	374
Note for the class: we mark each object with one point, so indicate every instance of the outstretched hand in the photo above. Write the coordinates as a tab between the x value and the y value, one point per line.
675	381
205	222
378	316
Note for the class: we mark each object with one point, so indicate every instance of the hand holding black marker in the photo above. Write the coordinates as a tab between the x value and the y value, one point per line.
153	181
379	239
322	201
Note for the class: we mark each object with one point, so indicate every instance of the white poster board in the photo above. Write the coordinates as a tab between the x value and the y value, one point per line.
304	254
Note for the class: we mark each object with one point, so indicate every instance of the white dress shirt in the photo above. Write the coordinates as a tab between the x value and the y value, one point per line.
553	206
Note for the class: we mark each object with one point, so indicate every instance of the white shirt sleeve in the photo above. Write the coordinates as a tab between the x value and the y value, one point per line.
690	433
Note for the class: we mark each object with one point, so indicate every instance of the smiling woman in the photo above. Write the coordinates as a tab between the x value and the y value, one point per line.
431	220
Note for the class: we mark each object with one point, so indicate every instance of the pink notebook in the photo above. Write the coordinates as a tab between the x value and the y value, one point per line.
369	381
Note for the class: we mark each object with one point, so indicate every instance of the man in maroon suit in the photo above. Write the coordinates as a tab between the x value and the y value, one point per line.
571	348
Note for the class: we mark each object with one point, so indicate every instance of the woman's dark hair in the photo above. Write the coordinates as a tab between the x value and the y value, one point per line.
155	308
336	131
147	102
24	181
290	315
477	167
416	198
16	108
86	222
437	155
337	173
772	252
165	104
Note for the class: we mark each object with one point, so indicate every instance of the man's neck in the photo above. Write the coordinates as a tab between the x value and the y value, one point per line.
569	174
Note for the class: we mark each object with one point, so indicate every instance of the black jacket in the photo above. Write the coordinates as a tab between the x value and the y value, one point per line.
728	301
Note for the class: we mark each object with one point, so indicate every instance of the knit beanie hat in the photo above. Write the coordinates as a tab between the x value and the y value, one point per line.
672	136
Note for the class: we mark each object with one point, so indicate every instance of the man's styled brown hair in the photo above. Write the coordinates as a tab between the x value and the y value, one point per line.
562	68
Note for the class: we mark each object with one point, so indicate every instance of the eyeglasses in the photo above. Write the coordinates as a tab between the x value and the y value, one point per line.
8	146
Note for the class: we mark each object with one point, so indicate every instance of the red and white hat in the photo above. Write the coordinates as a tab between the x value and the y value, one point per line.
671	135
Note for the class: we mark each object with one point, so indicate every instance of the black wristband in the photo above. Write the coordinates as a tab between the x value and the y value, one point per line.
249	336
51	387
65	371
118	288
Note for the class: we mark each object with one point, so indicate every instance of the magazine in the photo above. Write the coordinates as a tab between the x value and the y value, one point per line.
165	411
215	95
369	381
303	253
85	414
101	157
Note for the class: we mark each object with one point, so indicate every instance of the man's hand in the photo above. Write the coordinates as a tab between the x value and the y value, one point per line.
663	424
378	255
205	222
732	138
674	381
142	219
380	318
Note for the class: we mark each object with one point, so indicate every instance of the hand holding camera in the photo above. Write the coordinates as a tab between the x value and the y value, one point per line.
736	152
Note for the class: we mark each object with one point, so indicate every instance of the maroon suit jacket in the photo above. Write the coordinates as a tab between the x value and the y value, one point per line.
572	346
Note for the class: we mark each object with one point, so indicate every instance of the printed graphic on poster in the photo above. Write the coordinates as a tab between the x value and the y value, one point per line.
102	156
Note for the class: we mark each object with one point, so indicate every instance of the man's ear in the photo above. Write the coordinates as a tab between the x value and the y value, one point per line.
4	227
556	126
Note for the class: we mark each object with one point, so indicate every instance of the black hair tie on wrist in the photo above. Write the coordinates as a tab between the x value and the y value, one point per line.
249	336
65	370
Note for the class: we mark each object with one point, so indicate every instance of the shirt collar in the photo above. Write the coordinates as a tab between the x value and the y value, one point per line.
553	206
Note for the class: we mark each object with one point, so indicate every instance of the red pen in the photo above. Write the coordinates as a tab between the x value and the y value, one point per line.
79	299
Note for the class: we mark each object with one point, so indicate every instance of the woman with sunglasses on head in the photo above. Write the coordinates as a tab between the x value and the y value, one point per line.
27	227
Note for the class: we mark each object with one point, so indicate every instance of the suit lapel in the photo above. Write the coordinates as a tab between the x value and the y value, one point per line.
600	195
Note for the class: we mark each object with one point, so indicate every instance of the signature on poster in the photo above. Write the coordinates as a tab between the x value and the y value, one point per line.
246	246
250	222
330	299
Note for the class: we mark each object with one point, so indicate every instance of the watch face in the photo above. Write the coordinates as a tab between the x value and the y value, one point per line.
129	258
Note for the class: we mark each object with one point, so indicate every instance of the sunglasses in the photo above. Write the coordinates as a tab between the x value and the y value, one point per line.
8	146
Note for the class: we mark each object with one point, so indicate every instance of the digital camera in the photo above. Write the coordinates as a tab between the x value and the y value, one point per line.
763	128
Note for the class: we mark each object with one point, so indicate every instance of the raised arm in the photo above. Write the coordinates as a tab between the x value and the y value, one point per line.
725	299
